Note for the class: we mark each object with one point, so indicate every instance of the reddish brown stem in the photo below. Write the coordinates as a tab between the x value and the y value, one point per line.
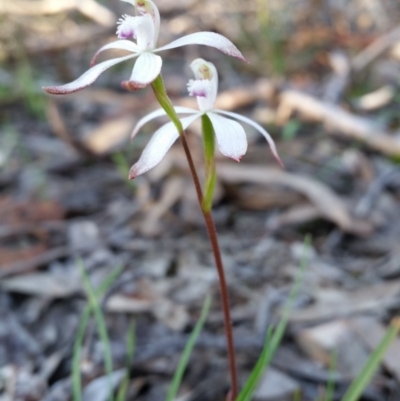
165	102
212	233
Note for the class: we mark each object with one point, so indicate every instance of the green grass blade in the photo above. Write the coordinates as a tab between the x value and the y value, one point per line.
123	167
130	346
330	388
358	386
274	337
258	369
77	356
131	343
100	322
177	379
77	349
297	395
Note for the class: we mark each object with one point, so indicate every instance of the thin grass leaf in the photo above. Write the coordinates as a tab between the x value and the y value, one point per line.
123	167
100	322
274	337
330	388
258	369
77	356
358	386
130	346
297	395
177	379
80	335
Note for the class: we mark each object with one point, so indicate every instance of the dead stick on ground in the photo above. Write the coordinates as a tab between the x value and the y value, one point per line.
375	49
338	121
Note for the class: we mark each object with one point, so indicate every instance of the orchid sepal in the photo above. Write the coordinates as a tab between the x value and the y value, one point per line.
210	39
159	113
85	79
121	44
159	144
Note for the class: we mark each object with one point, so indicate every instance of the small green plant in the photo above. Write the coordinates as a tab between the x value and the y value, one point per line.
93	306
330	388
358	386
177	379
33	98
123	167
291	129
274	335
130	346
8	143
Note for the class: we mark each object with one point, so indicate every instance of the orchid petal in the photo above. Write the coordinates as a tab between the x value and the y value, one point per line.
130	2
146	70
159	113
158	146
211	39
119	45
87	78
260	129
231	138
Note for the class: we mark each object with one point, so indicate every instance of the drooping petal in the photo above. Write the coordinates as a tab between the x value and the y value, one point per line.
211	39
146	70
231	138
118	45
87	78
158	146
159	113
260	129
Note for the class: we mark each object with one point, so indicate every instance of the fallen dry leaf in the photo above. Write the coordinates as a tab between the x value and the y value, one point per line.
109	135
332	303
18	213
49	285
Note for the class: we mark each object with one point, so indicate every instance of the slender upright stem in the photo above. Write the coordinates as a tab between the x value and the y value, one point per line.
212	233
165	102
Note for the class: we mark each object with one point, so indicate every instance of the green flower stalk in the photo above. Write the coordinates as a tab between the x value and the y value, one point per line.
209	150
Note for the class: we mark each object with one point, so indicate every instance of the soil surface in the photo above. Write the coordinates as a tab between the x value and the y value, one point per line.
323	79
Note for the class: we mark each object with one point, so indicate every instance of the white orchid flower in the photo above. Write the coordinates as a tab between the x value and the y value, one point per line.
139	35
230	135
